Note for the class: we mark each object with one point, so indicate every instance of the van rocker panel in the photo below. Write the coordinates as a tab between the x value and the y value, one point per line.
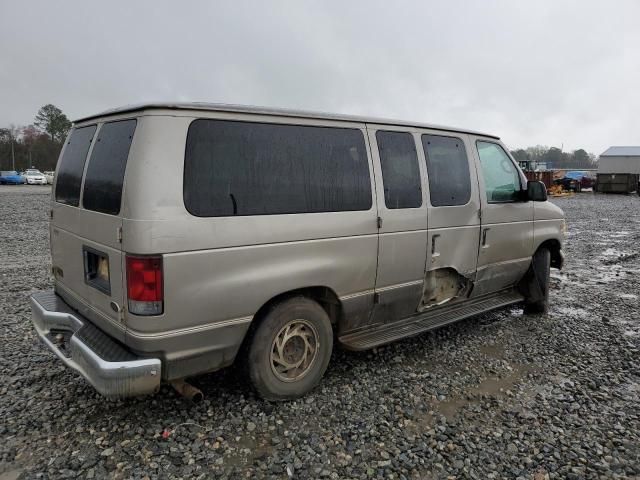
428	320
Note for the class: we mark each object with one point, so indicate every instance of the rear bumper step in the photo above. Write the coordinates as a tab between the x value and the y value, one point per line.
428	320
112	370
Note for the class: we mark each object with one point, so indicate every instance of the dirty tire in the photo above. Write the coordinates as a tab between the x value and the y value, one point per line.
291	313
537	300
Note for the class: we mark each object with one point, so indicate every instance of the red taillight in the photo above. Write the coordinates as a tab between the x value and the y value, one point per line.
144	285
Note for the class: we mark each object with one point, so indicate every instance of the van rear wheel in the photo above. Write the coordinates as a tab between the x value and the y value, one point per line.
537	283
290	349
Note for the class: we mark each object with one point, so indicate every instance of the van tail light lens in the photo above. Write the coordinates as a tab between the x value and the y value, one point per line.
145	294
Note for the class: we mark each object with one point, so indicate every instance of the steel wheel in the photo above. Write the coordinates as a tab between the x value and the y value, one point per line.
290	349
294	350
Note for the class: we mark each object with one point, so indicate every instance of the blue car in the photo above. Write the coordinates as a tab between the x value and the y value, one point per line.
11	177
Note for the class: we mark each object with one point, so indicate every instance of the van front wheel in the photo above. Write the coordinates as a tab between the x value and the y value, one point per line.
537	283
290	350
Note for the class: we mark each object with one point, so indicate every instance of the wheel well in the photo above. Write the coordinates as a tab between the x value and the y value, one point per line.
325	296
554	247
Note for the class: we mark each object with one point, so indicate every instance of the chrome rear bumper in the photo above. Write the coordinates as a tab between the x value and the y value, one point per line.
108	366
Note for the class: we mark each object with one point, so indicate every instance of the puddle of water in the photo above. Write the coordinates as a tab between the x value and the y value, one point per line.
572	312
588	278
498	385
423	419
10	475
633	387
619	234
493	350
612	252
248	449
491	386
609	274
628	296
450	408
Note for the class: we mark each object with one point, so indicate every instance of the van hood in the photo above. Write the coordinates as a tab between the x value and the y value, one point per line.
547	211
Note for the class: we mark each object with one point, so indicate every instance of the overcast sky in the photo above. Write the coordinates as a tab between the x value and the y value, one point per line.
537	72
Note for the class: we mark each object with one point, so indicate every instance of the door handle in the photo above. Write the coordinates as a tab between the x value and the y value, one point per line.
433	245
484	236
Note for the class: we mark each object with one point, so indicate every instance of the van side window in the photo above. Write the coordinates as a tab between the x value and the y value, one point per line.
72	165
105	173
245	168
448	170
400	170
501	177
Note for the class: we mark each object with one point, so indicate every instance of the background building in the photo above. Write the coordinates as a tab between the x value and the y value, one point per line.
619	170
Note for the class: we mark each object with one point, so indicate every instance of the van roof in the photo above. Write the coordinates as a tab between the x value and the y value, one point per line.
221	107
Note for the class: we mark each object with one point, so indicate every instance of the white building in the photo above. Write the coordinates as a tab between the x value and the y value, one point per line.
619	170
620	160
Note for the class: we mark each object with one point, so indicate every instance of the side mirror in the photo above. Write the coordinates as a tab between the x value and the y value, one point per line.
536	191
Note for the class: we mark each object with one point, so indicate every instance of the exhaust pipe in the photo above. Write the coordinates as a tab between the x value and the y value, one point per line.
188	391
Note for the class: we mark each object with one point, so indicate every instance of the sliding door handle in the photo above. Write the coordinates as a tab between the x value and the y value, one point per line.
484	236
433	245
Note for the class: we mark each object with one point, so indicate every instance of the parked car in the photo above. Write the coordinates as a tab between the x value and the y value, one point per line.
11	177
49	176
267	233
576	181
34	177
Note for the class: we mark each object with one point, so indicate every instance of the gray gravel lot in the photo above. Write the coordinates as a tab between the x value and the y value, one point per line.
502	395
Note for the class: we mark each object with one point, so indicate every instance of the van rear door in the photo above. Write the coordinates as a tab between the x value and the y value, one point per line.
86	223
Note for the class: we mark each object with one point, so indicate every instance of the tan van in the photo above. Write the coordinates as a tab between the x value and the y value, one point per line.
185	237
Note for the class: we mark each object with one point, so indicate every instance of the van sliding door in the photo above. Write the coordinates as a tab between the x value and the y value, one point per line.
402	222
454	221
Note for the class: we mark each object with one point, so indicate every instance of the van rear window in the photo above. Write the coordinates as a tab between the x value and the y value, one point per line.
400	170
71	167
105	173
448	170
242	168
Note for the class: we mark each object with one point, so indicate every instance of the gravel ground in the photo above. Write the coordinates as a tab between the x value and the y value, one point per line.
502	395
